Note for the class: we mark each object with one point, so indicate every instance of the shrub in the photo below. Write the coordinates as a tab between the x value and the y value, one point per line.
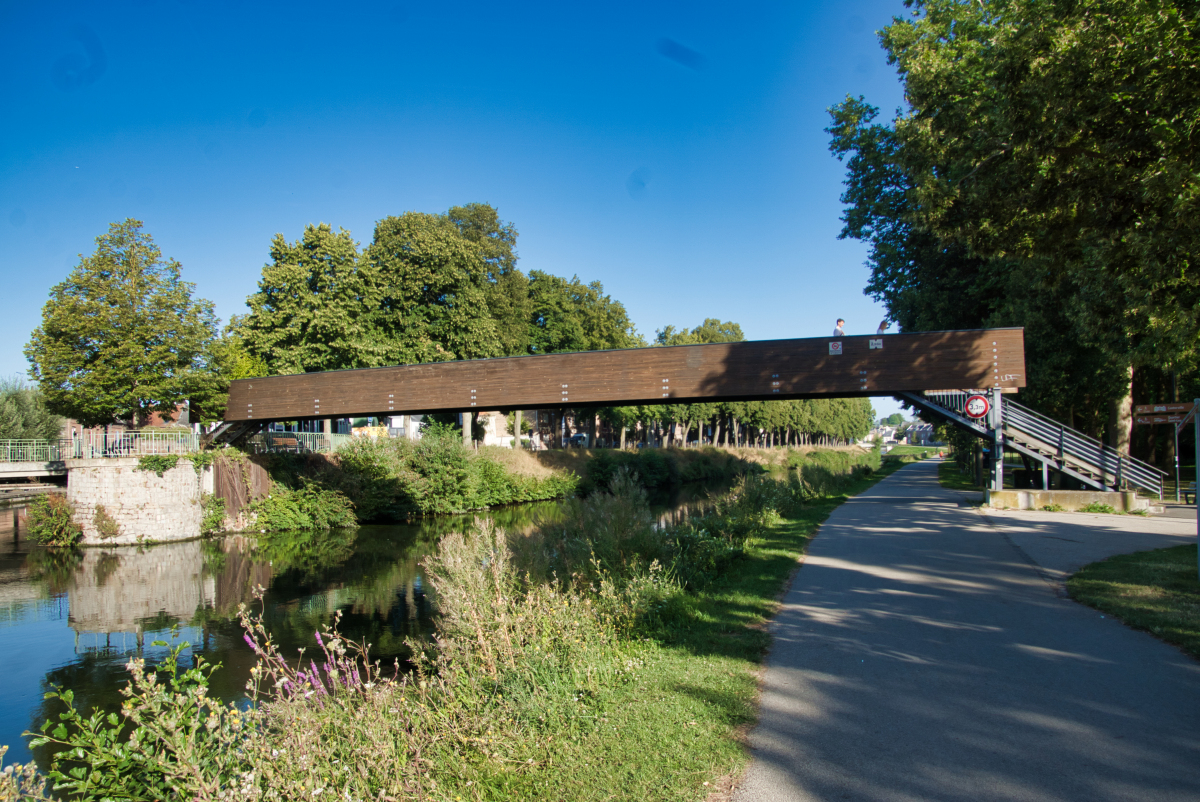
212	518
52	522
310	507
106	525
1097	506
158	463
1055	507
396	478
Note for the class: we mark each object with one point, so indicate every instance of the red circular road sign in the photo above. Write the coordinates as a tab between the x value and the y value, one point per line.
977	406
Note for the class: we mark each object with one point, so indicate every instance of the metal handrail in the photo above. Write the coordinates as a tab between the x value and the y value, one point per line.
34	450
95	445
1073	445
297	442
1067	445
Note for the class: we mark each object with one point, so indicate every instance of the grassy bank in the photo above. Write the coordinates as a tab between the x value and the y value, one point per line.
599	657
951	478
1156	591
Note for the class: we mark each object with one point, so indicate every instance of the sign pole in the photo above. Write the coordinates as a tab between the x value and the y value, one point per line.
1176	464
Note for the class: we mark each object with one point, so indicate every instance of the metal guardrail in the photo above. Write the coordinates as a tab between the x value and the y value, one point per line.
100	445
1113	466
297	442
34	450
1073	448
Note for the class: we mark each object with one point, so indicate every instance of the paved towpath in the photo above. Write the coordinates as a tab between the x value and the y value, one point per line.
923	654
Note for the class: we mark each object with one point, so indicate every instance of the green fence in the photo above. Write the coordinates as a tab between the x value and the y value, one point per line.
297	442
99	445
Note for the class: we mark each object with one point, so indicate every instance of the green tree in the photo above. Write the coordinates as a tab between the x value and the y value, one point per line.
309	313
427	291
710	331
507	288
229	359
1044	175
1045	171
122	336
573	316
23	413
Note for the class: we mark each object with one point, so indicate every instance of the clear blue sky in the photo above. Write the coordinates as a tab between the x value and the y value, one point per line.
673	151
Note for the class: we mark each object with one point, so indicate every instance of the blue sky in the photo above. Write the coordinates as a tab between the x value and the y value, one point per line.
673	151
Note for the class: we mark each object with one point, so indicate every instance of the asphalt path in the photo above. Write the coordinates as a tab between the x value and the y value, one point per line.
923	653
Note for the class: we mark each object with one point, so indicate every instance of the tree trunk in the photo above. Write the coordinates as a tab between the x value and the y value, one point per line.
622	437
516	428
1120	417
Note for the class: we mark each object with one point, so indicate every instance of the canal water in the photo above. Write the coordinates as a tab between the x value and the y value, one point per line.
74	620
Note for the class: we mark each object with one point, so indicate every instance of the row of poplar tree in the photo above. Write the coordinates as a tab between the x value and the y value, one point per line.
124	335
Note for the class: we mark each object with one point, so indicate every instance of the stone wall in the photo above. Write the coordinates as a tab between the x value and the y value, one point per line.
146	507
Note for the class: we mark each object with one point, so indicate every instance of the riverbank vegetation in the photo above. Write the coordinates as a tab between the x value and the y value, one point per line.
1156	591
564	662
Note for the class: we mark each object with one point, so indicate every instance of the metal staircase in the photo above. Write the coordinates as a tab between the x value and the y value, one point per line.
1055	446
230	433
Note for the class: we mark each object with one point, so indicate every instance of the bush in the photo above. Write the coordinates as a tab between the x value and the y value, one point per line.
310	507
660	469
52	522
1100	507
212	518
157	463
106	525
396	478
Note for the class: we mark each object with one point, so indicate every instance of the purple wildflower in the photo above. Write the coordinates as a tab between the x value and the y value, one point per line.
319	641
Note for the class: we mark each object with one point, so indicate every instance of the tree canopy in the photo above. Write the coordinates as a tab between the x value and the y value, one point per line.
573	316
1043	174
23	413
122	336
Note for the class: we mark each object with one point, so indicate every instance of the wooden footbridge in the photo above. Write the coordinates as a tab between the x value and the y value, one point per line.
816	367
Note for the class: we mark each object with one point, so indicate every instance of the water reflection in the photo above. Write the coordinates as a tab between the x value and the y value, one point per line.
74	619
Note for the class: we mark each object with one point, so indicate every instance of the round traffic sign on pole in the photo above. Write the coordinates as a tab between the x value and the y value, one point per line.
977	407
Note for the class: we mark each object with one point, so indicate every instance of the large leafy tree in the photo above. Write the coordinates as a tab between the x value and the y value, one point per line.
568	315
710	331
426	287
122	336
1043	175
507	288
308	313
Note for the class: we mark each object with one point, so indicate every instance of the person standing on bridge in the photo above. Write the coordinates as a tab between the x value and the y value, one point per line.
884	326
840	329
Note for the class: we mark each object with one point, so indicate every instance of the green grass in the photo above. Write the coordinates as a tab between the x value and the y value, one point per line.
1156	591
951	479
929	451
681	721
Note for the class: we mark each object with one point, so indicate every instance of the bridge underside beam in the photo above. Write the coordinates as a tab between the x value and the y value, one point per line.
762	370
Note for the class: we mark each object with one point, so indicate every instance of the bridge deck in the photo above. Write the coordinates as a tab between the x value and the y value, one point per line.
768	369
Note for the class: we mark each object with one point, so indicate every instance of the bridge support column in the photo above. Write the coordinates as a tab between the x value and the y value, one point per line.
516	428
